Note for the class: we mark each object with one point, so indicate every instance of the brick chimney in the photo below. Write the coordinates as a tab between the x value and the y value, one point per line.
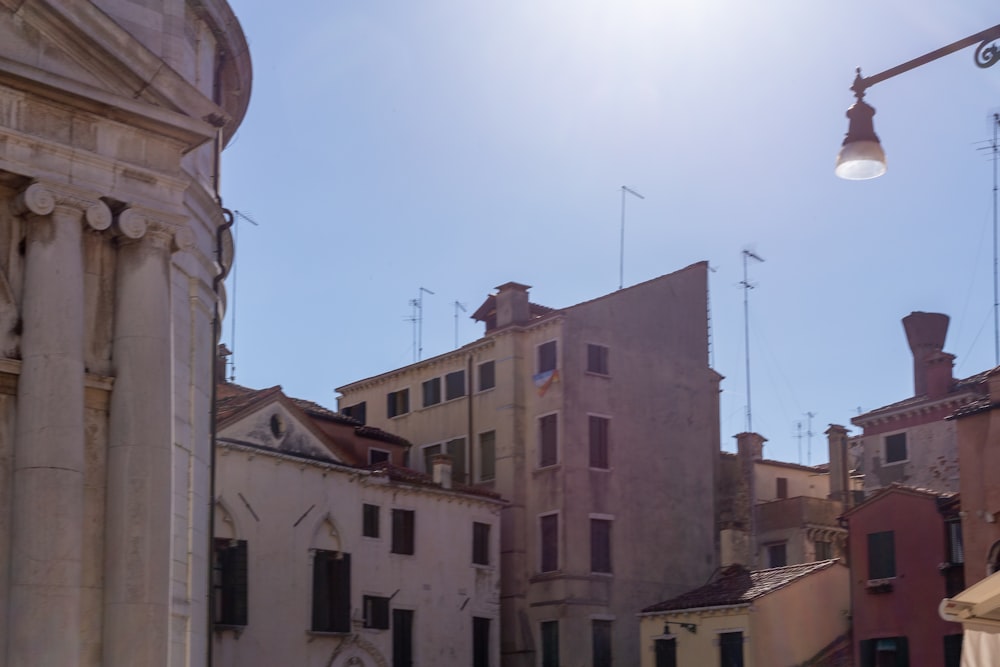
750	446
512	304
441	464
840	469
932	368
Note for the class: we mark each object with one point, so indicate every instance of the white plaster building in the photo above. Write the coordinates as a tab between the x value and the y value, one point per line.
112	114
599	423
321	564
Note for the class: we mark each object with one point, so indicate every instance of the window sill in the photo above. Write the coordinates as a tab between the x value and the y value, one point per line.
547	468
598	375
884	585
222	628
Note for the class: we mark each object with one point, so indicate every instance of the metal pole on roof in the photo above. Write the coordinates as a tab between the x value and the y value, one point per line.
747	286
621	248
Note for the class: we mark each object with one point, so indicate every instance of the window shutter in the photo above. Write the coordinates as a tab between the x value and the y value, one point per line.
238	582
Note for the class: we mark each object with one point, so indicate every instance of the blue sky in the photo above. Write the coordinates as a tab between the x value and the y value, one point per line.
457	145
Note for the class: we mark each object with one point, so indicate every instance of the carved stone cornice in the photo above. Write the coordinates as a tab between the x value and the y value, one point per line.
41	199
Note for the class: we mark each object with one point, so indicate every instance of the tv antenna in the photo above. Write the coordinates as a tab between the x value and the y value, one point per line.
458	307
418	323
809	439
238	215
747	286
621	247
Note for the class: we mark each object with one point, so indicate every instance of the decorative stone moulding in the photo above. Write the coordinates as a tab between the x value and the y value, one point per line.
135	223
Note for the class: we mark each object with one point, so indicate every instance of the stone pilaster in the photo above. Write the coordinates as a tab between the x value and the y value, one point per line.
47	503
139	510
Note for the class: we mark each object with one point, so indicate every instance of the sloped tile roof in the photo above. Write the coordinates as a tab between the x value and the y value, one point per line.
409	476
737	585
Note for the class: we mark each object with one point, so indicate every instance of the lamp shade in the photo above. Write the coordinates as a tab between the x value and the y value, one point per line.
861	156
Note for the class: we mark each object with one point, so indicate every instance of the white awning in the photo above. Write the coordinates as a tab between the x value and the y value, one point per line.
977	607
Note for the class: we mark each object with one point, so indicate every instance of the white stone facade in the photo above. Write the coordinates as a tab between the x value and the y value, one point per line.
111	117
289	509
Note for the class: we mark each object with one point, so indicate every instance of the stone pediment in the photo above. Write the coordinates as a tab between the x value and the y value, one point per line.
72	50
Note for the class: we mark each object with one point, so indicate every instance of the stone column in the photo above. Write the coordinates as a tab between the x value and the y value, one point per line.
137	575
47	505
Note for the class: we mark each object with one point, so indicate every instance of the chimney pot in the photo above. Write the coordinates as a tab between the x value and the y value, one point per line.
441	464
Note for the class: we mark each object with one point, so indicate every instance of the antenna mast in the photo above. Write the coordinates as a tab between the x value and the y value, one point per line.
747	286
418	323
996	285
621	247
458	306
809	439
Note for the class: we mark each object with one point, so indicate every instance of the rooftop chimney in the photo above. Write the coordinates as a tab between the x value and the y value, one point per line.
512	304
750	445
836	438
932	369
441	464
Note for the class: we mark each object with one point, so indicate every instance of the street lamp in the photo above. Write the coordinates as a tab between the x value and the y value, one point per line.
861	156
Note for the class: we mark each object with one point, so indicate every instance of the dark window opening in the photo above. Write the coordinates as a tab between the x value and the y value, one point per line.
454	385
548	433
666	652
884	652
398	403
376	612
402	638
782	487
895	448
480	543
487	456
432	392
600	632
331	599
600	545
403	532
480	642
549	525
824	550
370	516
731	649
357	411
547	356
881	555
550	644
377	456
229	581
456	450
777	555
599	428
597	359
487	375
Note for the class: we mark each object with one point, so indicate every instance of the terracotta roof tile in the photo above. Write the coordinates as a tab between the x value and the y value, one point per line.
737	585
409	476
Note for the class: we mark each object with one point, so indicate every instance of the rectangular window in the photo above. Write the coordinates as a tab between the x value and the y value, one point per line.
600	633
480	642
884	652
432	392
456	450
229	581
356	411
777	555
402	532
782	487
600	545
331	594
376	612
402	638
731	649
547	356
397	402
956	552
895	448
549	529
454	385
881	555
369	518
599	427
824	550
487	375
377	456
666	652
548	435
487	456
597	359
480	543
550	644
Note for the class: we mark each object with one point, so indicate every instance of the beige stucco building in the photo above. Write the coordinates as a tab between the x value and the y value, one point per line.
112	114
776	617
599	424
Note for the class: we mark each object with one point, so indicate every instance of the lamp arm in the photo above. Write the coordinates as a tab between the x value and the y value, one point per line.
986	55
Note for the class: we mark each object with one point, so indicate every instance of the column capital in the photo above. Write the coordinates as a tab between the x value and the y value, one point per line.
161	229
42	198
